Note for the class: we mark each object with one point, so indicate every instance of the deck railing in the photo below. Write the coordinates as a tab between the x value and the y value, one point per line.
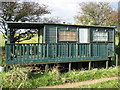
37	52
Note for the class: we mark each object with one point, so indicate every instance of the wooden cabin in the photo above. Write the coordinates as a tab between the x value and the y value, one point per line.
59	43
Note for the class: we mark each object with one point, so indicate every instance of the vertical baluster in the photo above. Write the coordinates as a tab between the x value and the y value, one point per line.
7	55
17	52
20	52
37	51
85	47
34	51
31	52
64	50
23	51
53	50
56	53
90	52
13	51
82	50
27	51
43	50
59	50
87	50
47	50
107	49
67	50
76	50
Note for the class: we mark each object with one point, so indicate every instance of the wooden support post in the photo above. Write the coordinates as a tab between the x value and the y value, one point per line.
6	68
89	65
46	68
116	60
107	64
69	66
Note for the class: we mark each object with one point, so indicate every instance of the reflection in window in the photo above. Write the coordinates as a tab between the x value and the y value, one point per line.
67	36
100	36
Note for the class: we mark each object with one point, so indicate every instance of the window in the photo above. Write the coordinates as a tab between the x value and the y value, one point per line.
67	36
84	35
100	36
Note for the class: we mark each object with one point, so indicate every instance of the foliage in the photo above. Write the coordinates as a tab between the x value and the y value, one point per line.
14	78
25	11
32	80
96	13
51	20
105	84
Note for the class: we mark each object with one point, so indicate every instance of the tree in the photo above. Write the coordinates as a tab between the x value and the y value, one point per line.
93	13
53	20
25	11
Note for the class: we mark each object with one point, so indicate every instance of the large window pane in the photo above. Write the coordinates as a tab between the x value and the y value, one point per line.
67	36
100	36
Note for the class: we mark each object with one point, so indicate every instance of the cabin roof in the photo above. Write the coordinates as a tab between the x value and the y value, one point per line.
22	25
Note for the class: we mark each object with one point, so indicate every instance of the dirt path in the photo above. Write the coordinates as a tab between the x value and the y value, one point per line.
70	85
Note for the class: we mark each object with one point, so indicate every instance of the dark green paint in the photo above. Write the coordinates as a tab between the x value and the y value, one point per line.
55	52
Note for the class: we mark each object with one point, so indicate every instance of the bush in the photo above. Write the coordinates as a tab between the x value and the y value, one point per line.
14	78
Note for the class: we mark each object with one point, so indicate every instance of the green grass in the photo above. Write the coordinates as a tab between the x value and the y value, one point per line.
32	40
105	84
51	78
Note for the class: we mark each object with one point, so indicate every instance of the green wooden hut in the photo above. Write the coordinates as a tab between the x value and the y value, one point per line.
59	43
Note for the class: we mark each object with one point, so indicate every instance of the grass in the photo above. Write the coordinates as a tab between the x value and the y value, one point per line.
32	40
105	84
22	78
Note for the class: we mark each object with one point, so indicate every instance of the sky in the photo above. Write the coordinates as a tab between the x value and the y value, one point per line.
67	9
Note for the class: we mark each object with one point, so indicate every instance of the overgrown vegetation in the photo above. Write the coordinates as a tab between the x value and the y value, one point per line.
106	84
23	78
